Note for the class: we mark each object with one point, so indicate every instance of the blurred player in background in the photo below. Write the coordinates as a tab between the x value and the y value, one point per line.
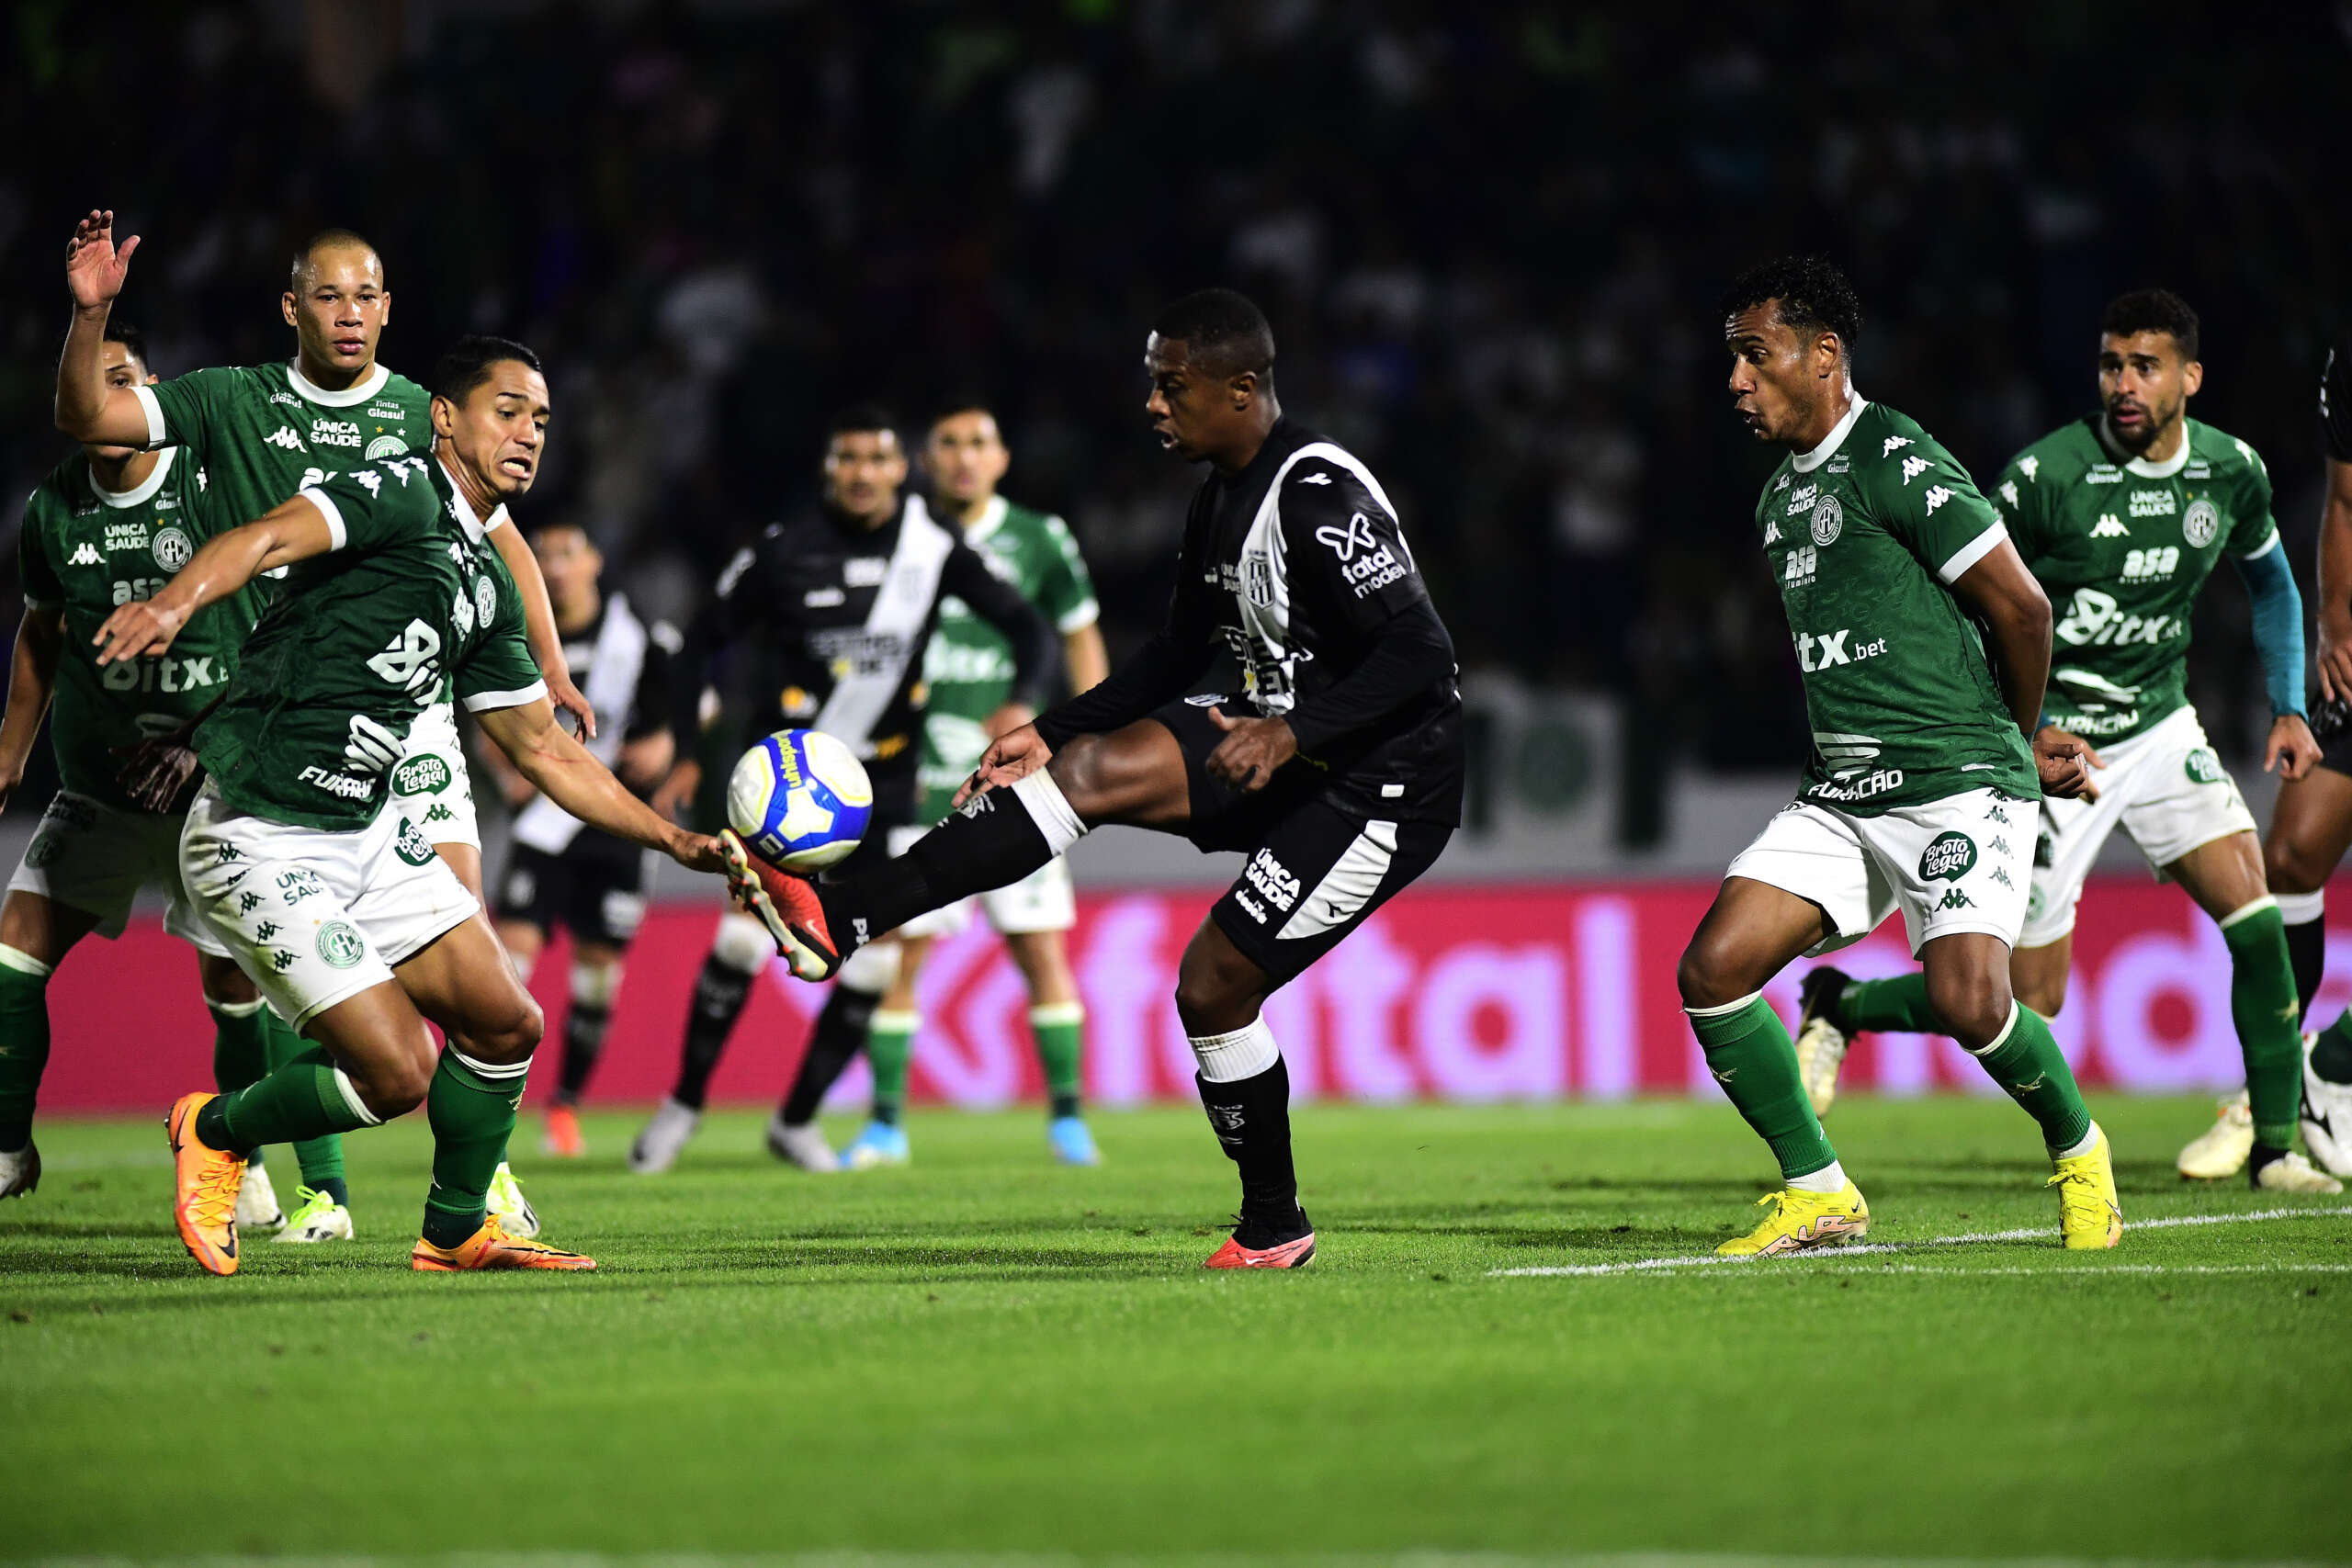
1920	793
109	524
259	434
2311	823
821	623
969	670
1338	773
558	870
332	902
2121	515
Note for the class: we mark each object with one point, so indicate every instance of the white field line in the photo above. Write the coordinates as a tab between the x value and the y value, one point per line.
1419	1559
2031	1233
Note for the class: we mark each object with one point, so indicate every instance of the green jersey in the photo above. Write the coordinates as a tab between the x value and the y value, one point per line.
1866	533
84	551
259	433
412	594
967	667
2121	546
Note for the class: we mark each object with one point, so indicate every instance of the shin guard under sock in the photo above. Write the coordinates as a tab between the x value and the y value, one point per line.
307	1098
240	1042
24	1043
321	1158
994	840
1750	1053
1899	1004
2024	1059
584	1042
2262	1005
1060	1031
889	1046
720	992
1251	1119
2306	946
839	1034
472	1107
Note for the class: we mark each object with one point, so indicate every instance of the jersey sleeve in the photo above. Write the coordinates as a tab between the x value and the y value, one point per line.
2336	402
35	570
1927	499
182	410
500	673
648	710
2254	531
1067	595
372	506
1345	554
2023	506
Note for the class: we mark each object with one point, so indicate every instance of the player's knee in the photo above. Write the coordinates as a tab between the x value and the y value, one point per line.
1709	973
1085	772
2290	867
511	1035
1214	997
1974	1005
393	1088
2044	997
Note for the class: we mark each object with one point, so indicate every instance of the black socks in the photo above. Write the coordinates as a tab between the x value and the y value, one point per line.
2307	951
584	1042
992	843
719	994
839	1034
1251	1119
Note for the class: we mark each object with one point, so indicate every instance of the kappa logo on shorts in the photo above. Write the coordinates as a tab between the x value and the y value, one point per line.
2001	875
2203	767
1949	856
1954	898
281	959
412	847
424	773
340	943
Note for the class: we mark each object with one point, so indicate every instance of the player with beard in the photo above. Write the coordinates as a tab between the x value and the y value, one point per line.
1335	764
2311	823
2121	515
821	623
260	434
329	897
1922	785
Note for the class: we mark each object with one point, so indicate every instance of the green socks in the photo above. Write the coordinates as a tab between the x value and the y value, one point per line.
2263	1006
1899	1004
240	1042
471	1106
24	1043
2025	1061
1750	1052
2331	1051
320	1157
1060	1029
890	1045
308	1097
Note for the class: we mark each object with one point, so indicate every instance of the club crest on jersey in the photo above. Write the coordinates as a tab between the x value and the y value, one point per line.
1949	856
340	945
1258	579
173	548
386	447
1827	519
2201	523
485	599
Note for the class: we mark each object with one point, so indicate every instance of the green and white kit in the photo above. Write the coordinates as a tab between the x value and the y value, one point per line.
1919	794
968	673
296	851
259	434
84	551
2122	545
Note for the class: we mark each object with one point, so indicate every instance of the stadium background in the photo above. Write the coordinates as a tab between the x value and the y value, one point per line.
1490	243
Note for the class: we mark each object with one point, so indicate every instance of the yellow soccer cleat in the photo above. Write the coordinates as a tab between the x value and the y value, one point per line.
205	1182
2222	1149
1803	1221
2088	1217
493	1248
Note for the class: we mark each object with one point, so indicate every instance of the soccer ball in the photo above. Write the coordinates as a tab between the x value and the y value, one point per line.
799	800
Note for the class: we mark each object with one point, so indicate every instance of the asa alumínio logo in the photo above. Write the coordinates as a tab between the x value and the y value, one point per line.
1949	856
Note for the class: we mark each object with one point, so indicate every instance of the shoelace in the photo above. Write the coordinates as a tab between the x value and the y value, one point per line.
216	1193
309	1204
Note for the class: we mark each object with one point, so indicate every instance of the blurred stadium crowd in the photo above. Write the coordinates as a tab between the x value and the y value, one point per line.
1490	239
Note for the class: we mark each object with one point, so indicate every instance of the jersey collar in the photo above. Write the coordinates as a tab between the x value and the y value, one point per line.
1805	463
2140	465
991	519
476	530
142	492
359	391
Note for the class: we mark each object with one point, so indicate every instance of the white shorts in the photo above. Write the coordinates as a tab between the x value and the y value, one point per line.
2166	789
430	785
317	917
1961	863
1044	900
94	857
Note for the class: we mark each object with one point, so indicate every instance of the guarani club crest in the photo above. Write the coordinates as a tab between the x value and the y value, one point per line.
1827	519
2200	523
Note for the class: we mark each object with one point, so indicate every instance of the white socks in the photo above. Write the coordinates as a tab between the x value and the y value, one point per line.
1829	1179
1050	809
742	944
1244	1054
2301	908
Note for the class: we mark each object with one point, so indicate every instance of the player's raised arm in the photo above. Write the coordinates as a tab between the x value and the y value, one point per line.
295	530
545	754
87	409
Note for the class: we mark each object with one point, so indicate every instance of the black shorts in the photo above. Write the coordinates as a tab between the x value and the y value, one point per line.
594	889
1317	869
2331	727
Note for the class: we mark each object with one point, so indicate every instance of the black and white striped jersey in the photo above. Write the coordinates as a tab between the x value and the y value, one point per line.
1297	569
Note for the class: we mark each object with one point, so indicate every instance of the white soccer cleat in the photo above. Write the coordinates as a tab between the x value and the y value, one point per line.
1821	1045
317	1218
2293	1173
804	1146
664	1138
258	1207
515	1215
2222	1149
20	1171
2327	1118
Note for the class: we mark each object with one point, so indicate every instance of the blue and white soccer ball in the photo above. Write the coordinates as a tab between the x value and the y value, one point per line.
799	800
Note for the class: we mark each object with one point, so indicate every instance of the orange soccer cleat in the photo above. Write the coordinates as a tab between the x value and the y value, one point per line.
205	1180
562	1138
1271	1250
787	906
492	1247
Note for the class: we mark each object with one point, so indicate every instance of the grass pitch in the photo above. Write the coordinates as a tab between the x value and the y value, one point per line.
986	1353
